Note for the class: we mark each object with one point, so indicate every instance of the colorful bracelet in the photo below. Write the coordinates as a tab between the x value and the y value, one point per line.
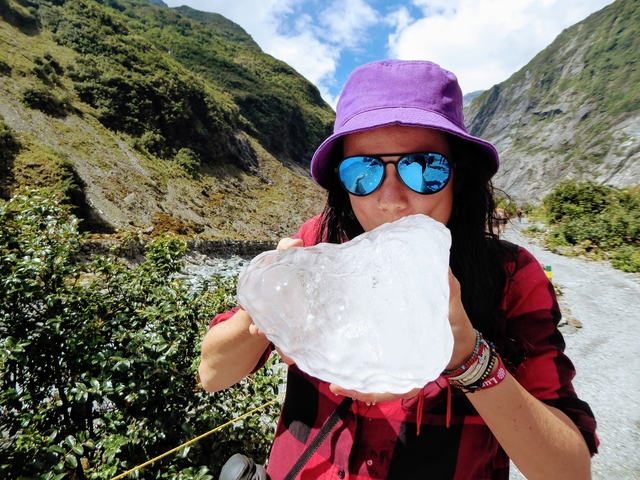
497	376
483	369
475	371
470	361
491	377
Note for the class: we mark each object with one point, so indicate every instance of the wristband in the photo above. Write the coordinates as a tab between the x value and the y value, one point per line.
497	376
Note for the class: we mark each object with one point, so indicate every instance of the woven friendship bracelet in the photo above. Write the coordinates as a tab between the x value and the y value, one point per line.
497	376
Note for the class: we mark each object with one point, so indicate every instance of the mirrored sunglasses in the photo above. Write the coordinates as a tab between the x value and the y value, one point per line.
424	173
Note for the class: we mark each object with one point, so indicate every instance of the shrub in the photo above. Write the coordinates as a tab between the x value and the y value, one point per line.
188	160
596	219
627	259
9	143
99	360
40	98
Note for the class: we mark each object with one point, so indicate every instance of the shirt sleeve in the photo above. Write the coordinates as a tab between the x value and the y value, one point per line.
309	231
532	322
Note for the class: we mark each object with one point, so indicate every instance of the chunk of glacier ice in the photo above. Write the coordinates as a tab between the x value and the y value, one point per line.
369	315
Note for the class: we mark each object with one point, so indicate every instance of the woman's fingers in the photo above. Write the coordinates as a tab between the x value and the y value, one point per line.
289	243
464	336
254	330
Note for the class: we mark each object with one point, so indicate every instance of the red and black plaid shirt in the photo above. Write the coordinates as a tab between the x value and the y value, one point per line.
379	441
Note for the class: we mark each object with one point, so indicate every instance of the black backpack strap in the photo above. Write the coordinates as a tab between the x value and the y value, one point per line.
324	432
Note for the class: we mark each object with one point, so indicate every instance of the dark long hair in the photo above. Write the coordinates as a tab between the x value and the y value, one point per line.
477	254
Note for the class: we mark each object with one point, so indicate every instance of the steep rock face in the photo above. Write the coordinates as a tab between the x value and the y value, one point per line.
573	112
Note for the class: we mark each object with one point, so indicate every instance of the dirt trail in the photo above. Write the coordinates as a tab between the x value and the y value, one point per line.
605	351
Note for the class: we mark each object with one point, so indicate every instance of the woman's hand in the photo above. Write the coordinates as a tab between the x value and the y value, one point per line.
464	336
254	330
289	243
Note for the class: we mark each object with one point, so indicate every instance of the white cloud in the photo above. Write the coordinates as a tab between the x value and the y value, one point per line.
345	22
482	41
485	41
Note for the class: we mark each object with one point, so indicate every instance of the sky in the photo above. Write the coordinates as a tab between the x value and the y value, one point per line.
482	41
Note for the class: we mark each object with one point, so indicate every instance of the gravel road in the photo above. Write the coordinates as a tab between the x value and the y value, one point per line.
605	351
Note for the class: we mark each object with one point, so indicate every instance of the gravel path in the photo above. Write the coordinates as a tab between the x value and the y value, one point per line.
605	351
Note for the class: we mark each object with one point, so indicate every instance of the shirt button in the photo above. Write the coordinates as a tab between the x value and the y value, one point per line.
341	474
369	462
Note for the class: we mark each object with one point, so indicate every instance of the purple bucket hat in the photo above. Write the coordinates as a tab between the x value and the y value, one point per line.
395	92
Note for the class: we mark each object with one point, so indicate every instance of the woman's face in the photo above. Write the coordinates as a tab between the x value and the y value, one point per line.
393	199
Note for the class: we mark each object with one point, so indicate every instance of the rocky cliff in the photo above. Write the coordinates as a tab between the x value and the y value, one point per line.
573	112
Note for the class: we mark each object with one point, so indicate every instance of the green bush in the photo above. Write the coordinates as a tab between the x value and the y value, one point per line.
187	160
41	98
596	219
98	360
627	259
576	200
9	143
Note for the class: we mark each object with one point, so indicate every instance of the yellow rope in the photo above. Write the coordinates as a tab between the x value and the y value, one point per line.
191	442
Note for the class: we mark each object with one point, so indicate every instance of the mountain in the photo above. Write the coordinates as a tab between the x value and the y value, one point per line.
152	118
573	112
469	97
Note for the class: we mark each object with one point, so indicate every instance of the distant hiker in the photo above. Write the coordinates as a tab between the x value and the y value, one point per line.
520	213
499	219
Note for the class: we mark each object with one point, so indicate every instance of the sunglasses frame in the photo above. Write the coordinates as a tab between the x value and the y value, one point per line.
394	163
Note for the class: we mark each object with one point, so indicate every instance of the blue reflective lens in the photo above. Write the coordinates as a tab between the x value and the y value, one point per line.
424	173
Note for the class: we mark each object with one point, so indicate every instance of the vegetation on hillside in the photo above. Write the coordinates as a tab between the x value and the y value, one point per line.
165	119
98	361
609	75
174	81
595	220
9	146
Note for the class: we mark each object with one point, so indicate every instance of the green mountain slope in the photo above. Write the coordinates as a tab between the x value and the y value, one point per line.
143	116
573	112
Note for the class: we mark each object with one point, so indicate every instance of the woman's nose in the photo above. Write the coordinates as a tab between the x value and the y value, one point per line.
392	192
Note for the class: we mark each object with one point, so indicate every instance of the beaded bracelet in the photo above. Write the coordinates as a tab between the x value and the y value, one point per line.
475	371
470	360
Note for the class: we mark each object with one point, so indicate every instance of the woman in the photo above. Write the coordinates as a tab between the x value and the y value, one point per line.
392	114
